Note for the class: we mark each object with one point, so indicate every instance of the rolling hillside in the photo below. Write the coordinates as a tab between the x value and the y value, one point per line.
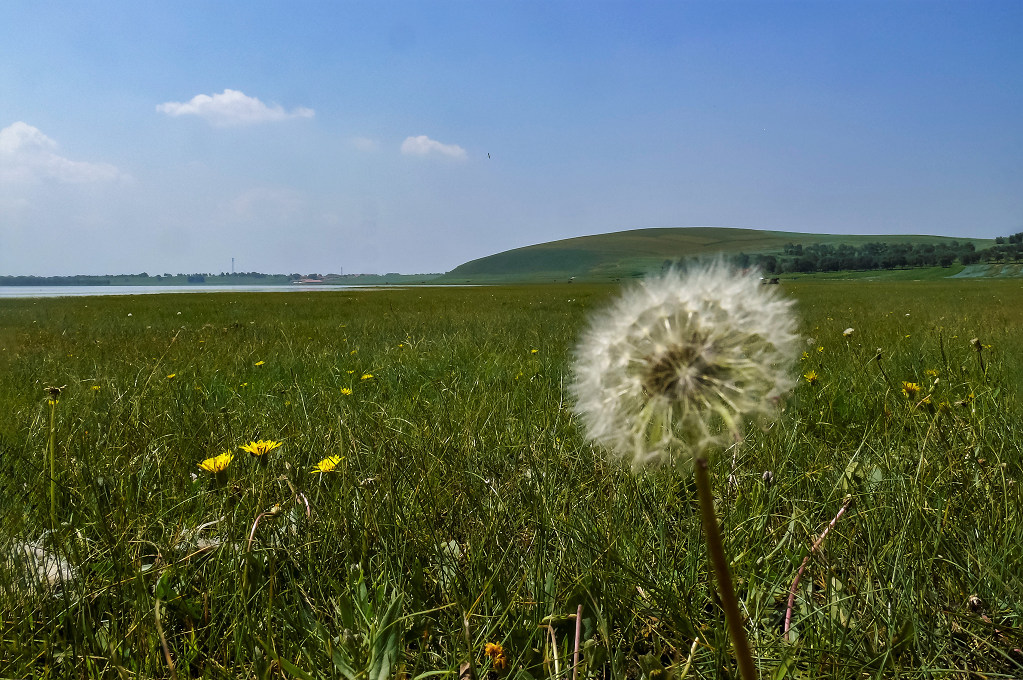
632	253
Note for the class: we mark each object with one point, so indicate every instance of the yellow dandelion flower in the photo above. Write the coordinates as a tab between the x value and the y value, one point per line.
95	388
259	363
171	376
533	351
931	373
354	351
967	401
350	372
811	377
910	389
820	348
261	447
218	463
326	465
366	376
804	357
346	390
495	651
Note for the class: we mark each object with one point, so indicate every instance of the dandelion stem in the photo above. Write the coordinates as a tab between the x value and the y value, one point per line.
733	618
799	573
877	358
575	652
980	355
163	642
53	464
468	645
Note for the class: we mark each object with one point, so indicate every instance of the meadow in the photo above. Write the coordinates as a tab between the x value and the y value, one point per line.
465	521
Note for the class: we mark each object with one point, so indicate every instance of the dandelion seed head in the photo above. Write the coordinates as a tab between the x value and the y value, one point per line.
679	362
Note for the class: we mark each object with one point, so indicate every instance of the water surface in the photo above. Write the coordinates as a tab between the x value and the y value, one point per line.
82	291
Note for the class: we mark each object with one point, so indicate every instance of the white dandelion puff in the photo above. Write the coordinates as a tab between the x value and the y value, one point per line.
680	362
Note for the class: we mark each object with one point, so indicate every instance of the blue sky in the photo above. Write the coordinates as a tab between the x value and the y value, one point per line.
413	136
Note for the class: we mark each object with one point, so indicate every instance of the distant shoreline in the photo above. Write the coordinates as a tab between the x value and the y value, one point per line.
205	280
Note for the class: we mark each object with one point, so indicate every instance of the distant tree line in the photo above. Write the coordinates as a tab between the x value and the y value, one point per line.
122	279
821	257
53	281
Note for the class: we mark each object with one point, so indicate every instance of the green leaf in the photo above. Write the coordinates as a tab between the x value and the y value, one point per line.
286	665
787	663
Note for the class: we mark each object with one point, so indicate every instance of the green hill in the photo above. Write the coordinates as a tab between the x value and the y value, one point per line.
632	253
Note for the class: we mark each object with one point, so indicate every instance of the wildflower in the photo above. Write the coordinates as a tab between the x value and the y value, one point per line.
261	448
259	363
678	362
495	651
848	331
811	377
533	351
171	376
218	463
346	390
820	348
94	388
804	357
54	393
931	373
366	376
326	465
910	389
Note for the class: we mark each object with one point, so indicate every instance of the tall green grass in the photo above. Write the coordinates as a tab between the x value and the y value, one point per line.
467	510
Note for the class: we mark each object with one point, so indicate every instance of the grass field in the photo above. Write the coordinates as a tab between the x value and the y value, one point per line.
465	511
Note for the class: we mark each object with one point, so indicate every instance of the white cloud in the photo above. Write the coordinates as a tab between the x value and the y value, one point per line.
232	107
26	154
423	146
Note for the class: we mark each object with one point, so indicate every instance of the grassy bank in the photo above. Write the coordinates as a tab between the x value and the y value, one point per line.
464	508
